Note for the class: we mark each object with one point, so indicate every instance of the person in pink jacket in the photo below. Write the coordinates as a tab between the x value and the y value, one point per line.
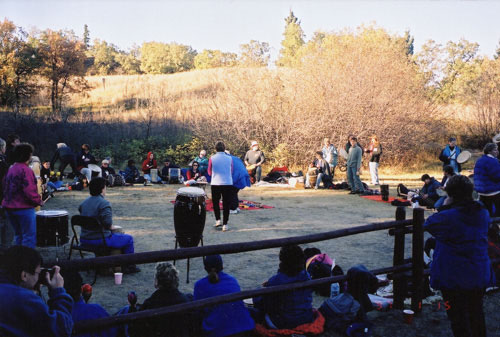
21	197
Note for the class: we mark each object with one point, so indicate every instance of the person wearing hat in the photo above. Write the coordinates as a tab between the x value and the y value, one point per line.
487	179
165	174
255	158
226	319
450	154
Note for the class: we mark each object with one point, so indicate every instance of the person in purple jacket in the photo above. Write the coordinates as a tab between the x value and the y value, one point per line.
487	179
20	197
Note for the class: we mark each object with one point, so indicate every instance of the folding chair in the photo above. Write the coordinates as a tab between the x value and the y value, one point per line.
91	224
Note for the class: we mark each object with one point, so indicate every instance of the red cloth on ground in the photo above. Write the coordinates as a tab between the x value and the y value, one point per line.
314	328
378	198
243	205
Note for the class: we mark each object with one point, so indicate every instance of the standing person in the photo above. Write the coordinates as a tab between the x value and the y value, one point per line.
203	161
375	151
255	158
330	155
220	168
12	141
66	157
226	319
354	157
487	179
21	196
6	231
450	154
147	165
83	160
461	268
241	179
23	312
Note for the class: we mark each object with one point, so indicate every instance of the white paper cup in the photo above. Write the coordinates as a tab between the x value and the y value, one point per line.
118	278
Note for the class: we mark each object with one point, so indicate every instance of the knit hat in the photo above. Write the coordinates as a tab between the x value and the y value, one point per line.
213	261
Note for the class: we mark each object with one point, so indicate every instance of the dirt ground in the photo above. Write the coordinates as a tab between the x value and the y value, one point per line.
146	213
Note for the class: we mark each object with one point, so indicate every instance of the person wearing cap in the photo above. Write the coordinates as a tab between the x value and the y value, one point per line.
107	169
450	154
461	268
202	160
220	168
66	157
165	174
255	158
487	179
226	319
428	194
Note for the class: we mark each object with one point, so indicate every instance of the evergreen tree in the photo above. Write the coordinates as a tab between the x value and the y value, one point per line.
293	40
86	36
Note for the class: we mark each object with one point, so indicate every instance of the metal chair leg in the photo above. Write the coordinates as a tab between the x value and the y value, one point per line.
187	276
175	247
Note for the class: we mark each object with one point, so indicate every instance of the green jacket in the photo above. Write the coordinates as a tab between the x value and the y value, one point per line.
354	157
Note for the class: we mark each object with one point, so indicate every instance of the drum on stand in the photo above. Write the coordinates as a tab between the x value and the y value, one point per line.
189	216
51	228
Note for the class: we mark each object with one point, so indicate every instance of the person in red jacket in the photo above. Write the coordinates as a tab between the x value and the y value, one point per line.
147	165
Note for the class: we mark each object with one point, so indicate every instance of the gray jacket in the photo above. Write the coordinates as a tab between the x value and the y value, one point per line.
354	157
99	208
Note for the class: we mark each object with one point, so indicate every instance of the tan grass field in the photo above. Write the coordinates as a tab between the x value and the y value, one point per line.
147	214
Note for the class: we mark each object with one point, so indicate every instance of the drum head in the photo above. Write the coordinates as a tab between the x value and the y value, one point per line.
463	157
343	153
52	213
94	167
191	192
441	193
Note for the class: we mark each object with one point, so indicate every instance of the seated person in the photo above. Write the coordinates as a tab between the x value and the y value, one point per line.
322	171
225	319
23	312
97	207
448	173
81	309
131	174
287	310
147	165
428	195
45	172
109	174
180	324
83	160
194	175
165	174
203	161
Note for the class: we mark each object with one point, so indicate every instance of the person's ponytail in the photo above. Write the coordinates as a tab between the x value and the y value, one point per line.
213	276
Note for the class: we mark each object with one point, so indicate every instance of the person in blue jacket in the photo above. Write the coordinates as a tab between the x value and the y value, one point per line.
450	153
287	310
428	194
227	319
22	311
487	179
241	179
461	268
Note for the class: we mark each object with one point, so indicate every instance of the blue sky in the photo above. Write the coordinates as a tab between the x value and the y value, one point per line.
225	24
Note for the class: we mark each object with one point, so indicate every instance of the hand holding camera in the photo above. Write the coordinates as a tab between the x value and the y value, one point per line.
51	277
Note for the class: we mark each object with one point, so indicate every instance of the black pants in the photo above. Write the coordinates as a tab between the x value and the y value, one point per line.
489	201
65	161
465	312
226	192
235	201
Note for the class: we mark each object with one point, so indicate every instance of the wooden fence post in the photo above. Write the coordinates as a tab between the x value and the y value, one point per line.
417	259
399	280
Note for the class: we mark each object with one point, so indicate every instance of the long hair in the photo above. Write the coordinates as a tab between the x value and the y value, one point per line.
213	276
375	138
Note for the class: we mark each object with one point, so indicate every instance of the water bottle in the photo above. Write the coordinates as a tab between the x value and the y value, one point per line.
334	289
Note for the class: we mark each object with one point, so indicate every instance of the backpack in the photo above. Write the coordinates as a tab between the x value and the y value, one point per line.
340	312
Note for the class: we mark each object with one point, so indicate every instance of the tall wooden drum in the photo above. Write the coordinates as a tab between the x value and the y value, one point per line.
189	216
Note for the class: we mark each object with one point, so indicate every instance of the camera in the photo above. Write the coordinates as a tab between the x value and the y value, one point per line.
42	278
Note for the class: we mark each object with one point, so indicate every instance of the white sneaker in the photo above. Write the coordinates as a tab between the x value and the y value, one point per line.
217	223
234	211
225	228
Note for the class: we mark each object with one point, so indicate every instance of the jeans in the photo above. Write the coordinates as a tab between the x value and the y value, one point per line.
6	231
226	192
354	180
440	202
23	222
374	172
88	173
125	242
258	173
148	178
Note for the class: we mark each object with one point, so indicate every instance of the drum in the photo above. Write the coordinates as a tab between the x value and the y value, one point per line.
463	157
312	180
384	191
154	175
51	228
96	170
189	216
